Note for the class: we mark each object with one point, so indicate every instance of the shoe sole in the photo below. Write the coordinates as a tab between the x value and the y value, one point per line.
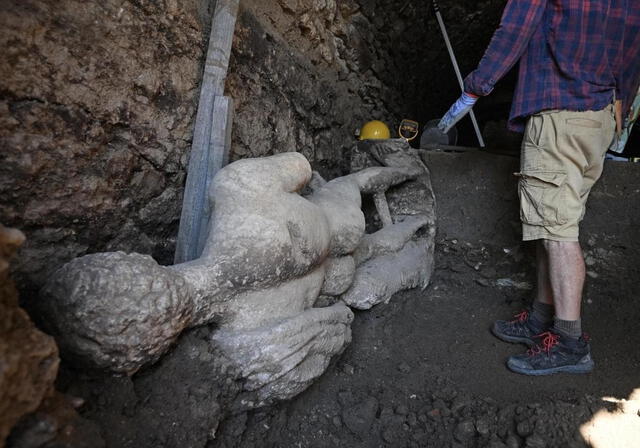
513	339
581	368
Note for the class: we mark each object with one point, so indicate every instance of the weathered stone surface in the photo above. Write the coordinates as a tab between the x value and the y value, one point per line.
279	344
265	307
98	101
262	232
266	261
376	180
117	310
389	239
411	198
399	255
281	361
340	200
28	357
381	277
338	275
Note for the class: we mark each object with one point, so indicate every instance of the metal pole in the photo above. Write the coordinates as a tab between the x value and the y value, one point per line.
443	29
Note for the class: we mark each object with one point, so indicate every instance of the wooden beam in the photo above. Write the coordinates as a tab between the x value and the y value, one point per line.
220	40
200	169
219	147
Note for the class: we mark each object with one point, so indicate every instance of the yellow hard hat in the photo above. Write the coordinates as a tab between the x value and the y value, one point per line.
375	130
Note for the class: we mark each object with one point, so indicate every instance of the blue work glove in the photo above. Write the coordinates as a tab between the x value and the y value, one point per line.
459	109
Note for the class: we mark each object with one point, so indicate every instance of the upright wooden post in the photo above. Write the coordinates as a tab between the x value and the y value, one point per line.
211	135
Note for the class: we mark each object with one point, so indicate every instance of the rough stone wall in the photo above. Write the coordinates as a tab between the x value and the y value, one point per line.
97	102
99	99
470	26
305	74
410	57
28	357
303	80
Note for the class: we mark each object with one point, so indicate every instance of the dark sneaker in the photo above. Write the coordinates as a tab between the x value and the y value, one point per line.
554	354
523	329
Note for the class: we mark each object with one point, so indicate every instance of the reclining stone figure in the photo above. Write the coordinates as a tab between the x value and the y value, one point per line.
270	253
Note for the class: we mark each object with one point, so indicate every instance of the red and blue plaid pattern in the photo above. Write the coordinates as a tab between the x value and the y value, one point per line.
631	60
570	54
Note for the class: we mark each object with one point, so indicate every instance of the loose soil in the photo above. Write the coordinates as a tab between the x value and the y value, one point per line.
424	370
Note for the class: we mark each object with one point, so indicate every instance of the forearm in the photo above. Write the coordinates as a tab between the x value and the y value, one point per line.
520	20
617	44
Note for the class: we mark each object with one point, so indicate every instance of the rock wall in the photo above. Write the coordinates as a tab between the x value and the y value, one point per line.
98	101
305	74
303	77
29	358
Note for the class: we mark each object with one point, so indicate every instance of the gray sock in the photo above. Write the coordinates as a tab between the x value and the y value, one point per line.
542	312
569	328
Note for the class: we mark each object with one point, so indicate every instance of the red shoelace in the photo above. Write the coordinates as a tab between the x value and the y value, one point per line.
521	317
549	340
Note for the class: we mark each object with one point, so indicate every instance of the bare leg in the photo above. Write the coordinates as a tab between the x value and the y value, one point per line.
566	275
562	350
544	293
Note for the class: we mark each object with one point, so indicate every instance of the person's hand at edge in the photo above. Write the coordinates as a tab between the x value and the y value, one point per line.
618	115
459	109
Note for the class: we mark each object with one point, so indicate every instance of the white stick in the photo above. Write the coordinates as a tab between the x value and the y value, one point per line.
456	69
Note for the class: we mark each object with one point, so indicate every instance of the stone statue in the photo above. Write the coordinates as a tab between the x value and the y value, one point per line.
399	255
271	252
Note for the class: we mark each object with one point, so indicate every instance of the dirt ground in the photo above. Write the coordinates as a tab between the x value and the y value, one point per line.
424	370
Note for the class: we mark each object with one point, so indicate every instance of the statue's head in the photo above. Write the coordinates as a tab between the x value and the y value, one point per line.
115	310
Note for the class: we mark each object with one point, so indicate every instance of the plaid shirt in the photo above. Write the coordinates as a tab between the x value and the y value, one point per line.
631	62
570	55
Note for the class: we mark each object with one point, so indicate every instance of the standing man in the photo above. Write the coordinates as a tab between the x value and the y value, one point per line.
570	55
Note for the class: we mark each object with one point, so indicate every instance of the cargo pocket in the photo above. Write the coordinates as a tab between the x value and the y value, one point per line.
543	197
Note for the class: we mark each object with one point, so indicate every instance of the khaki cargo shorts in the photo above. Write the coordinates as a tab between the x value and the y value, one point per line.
562	158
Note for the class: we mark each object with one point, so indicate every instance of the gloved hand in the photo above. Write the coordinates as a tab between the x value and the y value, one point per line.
459	109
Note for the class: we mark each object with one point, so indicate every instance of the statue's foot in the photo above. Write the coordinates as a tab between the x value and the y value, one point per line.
380	278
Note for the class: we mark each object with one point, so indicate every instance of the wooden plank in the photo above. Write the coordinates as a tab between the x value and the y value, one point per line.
221	133
220	40
213	79
194	193
220	146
